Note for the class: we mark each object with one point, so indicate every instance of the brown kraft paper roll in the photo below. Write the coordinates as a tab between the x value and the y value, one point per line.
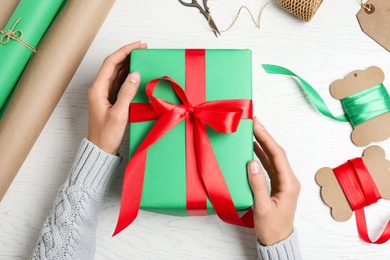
7	7
44	81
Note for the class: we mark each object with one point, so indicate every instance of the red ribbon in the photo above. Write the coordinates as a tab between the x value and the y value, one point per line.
361	191
204	177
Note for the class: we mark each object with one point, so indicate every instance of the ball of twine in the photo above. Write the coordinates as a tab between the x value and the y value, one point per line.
303	9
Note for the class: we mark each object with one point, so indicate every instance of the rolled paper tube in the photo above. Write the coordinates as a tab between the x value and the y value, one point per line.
7	7
44	81
20	37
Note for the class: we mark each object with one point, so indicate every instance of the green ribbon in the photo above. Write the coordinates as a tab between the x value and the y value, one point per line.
367	104
359	107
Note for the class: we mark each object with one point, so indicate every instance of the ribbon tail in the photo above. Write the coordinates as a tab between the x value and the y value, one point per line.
132	191
214	181
315	98
362	229
135	169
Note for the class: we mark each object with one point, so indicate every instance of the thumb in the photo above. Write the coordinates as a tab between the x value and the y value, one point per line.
127	92
257	181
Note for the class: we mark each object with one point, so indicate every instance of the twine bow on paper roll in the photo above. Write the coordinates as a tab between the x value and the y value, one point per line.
16	35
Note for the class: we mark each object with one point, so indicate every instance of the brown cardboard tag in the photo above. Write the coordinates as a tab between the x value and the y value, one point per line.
374	158
374	19
375	129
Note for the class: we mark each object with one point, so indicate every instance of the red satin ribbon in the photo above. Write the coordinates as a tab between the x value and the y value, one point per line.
203	172
361	191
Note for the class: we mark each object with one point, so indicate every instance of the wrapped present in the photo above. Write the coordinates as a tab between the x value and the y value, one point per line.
191	135
20	38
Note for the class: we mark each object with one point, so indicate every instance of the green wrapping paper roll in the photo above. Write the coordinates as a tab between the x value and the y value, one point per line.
20	37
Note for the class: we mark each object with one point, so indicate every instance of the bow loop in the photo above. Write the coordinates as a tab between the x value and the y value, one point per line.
225	120
16	35
162	106
223	116
7	35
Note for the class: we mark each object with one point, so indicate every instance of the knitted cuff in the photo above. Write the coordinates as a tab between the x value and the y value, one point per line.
287	249
93	168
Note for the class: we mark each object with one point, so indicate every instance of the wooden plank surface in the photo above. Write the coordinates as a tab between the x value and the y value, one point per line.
323	50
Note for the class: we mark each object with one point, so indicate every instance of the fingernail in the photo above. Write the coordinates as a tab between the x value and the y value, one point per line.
257	123
134	77
254	167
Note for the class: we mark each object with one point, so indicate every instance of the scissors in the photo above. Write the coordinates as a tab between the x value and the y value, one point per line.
206	13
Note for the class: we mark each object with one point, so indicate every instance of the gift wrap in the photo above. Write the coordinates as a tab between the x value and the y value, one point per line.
20	37
45	79
168	186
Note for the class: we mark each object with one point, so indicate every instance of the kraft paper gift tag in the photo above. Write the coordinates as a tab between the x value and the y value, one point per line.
374	19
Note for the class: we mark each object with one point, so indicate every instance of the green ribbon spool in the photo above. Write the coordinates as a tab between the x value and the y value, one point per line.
367	104
359	107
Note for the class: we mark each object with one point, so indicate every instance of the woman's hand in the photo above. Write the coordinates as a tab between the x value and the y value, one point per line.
109	98
273	213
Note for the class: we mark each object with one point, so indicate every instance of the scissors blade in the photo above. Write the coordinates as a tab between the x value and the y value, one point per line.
211	23
214	26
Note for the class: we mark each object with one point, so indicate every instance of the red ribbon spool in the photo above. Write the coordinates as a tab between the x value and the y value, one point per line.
361	191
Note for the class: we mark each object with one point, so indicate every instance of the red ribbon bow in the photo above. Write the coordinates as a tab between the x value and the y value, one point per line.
203	172
361	191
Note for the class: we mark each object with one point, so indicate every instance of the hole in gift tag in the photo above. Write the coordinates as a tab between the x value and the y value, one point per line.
369	8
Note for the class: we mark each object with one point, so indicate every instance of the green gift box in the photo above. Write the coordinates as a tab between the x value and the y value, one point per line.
207	77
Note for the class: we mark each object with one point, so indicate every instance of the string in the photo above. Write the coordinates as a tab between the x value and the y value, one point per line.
359	107
256	23
304	10
16	35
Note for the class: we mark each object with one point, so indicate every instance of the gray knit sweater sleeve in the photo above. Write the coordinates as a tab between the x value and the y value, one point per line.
69	232
287	249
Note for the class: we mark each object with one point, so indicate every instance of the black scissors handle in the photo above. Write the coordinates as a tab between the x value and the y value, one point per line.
194	3
206	8
204	11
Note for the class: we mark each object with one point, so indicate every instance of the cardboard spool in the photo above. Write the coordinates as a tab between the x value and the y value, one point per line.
375	160
375	129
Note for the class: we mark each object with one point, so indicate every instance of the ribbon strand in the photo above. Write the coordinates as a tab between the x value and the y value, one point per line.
318	102
359	107
16	35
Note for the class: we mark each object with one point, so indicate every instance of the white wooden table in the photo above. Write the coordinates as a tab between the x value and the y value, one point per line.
326	49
